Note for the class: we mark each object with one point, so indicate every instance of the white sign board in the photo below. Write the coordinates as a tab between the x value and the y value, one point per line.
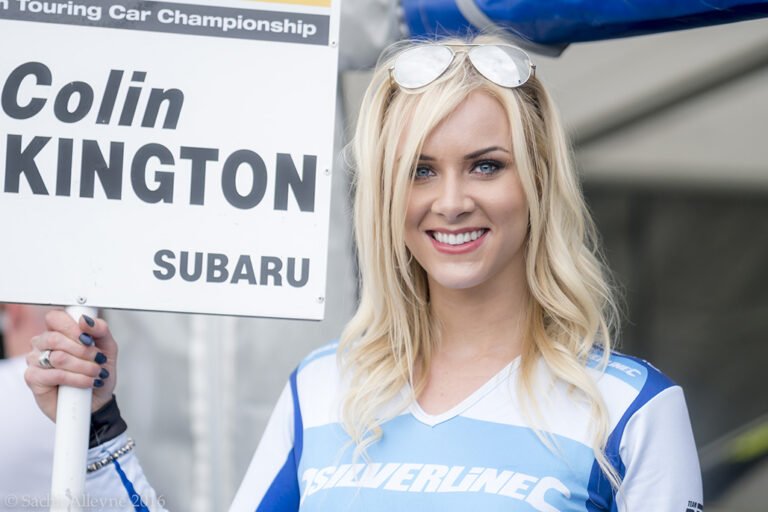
167	156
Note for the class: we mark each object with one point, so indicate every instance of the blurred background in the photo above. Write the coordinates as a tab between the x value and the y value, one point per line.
670	135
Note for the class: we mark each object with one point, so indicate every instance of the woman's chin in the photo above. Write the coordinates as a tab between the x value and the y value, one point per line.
456	280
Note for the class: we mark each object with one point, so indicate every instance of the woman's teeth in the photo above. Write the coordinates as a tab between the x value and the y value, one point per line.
457	239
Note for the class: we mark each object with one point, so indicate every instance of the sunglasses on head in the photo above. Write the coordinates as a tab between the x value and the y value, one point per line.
502	64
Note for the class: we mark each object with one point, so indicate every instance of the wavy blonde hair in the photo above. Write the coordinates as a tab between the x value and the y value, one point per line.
571	311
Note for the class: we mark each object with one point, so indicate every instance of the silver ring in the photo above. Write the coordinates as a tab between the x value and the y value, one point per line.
45	360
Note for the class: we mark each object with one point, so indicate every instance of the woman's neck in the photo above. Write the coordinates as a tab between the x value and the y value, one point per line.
487	320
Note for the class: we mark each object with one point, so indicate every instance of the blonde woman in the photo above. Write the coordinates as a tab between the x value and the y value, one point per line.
478	371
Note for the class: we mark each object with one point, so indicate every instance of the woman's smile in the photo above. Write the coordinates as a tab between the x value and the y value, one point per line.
458	241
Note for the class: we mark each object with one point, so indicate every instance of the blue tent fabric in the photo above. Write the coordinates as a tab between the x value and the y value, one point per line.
557	23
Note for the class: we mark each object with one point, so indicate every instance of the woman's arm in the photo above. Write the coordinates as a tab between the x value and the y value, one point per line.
660	457
271	482
84	354
120	484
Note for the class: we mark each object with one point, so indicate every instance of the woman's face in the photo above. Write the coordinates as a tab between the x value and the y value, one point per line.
467	216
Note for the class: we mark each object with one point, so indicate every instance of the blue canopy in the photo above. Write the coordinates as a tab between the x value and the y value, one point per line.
553	24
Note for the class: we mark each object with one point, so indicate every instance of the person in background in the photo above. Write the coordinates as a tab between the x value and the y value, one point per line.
26	434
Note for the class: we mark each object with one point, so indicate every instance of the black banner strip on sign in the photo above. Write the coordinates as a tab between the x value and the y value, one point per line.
189	19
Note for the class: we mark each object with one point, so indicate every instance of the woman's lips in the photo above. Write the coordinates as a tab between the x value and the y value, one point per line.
444	245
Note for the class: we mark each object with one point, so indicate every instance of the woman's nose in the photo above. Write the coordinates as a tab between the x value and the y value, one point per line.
452	199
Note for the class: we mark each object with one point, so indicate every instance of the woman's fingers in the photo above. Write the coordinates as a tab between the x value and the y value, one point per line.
98	330
60	321
57	341
45	382
61	360
42	380
80	353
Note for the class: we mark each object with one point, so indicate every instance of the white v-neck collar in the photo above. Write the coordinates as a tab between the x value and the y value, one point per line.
432	420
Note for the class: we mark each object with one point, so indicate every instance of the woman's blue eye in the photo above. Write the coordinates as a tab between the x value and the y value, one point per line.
487	167
422	172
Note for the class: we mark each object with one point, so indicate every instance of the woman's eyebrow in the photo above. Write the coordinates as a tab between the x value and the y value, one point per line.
470	156
479	152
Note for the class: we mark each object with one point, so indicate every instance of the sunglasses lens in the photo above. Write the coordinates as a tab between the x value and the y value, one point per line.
420	66
507	66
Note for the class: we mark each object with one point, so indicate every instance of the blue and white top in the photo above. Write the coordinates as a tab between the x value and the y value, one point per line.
480	455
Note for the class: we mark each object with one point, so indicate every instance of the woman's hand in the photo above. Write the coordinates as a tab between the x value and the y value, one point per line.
81	355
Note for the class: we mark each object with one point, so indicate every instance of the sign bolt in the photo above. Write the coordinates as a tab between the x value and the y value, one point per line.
81	299
320	300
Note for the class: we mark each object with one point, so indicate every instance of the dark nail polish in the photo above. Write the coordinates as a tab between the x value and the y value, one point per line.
86	339
98	383
100	358
103	374
89	320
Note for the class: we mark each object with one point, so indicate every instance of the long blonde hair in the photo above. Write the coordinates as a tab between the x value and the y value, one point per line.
572	310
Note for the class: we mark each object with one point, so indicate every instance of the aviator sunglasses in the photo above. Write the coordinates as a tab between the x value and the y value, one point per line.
502	64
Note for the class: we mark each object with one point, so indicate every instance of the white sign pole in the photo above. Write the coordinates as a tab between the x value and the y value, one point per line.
73	413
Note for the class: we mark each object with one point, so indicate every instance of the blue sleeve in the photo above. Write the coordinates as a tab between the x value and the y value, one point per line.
659	453
121	485
654	452
271	482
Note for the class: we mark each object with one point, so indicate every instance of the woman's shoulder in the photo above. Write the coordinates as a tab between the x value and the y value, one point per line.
320	365
321	359
318	368
632	386
316	383
650	431
630	371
